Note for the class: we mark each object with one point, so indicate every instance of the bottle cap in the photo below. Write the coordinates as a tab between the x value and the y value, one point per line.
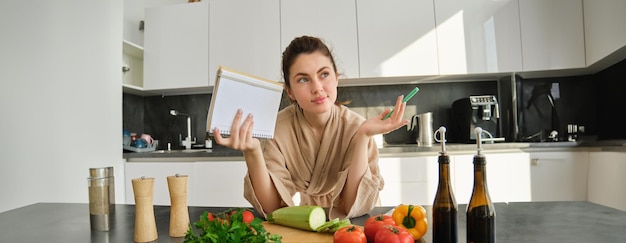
441	139
479	142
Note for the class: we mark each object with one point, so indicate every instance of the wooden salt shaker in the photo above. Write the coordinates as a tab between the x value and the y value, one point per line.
145	223
179	213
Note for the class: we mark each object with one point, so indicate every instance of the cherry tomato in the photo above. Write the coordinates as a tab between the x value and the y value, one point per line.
247	216
210	216
349	234
375	223
393	234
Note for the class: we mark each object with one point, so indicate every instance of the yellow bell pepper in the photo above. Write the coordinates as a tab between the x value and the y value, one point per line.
412	218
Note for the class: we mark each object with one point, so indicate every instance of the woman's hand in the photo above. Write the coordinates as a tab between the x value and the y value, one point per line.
240	136
376	125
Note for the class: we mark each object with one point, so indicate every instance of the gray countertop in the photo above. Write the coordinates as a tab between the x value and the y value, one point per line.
219	153
515	222
216	152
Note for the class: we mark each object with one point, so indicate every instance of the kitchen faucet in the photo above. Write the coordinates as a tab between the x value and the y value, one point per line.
187	142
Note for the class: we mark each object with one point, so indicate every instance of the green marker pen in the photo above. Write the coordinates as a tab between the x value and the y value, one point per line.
406	98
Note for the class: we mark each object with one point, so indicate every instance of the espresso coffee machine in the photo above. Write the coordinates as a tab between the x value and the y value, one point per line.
476	111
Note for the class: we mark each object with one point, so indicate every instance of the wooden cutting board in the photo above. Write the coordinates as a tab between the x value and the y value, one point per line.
293	235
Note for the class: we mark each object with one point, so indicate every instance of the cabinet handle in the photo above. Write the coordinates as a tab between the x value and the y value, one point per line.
534	162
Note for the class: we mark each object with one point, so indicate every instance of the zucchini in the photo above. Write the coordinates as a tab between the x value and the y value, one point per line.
325	227
333	225
304	217
342	223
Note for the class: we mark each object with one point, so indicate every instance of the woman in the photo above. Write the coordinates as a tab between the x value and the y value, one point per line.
320	148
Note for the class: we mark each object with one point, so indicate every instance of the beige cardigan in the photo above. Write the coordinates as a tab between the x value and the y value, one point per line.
298	162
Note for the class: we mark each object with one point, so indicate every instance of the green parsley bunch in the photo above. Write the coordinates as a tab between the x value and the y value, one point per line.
235	225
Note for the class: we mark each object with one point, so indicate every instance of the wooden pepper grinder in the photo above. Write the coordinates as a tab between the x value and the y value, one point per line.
145	223
179	213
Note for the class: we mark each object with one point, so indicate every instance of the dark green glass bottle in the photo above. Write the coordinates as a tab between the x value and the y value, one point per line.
481	214
444	207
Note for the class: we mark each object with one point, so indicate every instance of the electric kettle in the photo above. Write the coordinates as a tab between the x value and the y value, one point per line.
423	127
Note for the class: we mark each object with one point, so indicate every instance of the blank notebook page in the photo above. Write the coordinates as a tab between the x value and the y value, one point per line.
235	90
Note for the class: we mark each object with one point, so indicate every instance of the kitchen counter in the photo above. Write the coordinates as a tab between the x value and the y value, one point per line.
515	222
216	152
220	153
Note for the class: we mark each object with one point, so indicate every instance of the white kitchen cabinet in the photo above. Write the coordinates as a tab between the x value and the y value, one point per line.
132	61
245	35
478	36
397	38
607	177
220	184
559	176
133	15
334	21
552	34
176	50
508	177
159	171
604	28
409	180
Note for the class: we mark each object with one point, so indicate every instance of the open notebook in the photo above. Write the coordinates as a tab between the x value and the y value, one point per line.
235	90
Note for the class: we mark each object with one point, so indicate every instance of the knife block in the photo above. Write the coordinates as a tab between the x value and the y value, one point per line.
145	223
179	213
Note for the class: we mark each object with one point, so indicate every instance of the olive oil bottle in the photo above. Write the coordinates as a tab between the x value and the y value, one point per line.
444	206
481	214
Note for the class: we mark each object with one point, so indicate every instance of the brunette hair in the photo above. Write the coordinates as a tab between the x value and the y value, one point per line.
305	45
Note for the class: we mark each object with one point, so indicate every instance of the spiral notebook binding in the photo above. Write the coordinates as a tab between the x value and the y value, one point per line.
254	134
258	135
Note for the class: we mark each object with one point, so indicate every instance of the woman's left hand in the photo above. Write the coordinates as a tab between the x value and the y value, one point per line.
376	125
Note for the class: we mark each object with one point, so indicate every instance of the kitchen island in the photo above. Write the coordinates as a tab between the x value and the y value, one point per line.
579	221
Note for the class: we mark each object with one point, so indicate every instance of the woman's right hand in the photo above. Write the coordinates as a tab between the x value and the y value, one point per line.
240	136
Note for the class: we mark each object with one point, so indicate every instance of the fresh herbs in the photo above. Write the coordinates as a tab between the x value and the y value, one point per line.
229	226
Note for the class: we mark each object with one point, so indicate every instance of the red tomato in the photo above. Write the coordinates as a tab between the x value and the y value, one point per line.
349	234
247	216
375	223
393	234
210	216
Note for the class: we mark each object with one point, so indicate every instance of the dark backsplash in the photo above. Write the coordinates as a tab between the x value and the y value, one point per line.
151	115
610	87
594	101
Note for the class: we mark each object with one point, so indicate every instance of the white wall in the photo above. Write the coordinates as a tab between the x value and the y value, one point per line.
60	98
